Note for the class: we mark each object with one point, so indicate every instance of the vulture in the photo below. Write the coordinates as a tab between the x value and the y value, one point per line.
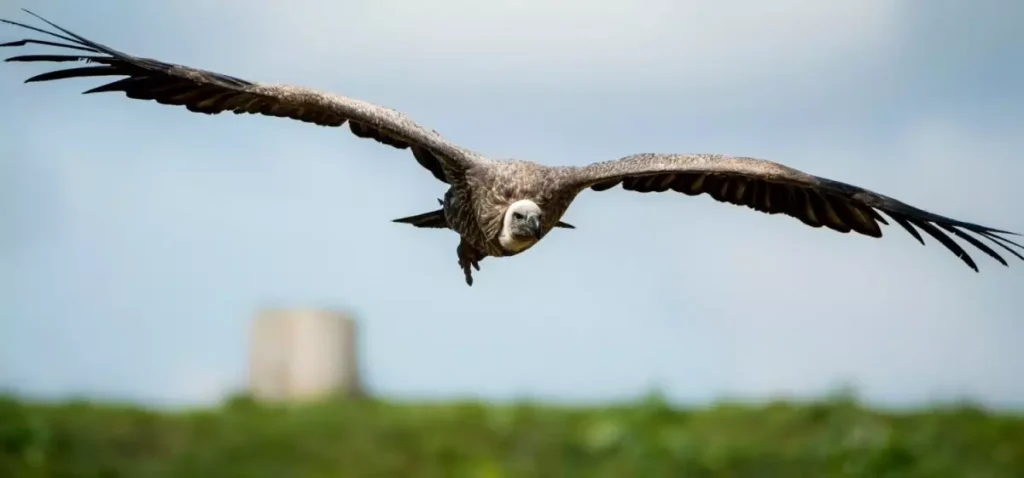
502	207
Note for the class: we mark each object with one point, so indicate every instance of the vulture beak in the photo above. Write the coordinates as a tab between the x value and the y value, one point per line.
535	226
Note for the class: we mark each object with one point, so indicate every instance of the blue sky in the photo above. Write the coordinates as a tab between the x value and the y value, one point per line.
139	239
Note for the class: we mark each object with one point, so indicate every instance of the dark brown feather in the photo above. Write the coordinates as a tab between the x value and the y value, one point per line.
199	91
776	189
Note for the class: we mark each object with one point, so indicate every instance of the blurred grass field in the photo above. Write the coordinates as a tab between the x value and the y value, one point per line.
373	438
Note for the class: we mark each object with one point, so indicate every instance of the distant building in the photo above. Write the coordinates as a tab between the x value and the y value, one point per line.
303	355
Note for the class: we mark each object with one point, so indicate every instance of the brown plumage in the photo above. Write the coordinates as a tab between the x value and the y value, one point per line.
502	208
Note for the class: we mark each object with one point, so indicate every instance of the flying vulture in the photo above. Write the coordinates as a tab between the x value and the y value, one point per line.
501	208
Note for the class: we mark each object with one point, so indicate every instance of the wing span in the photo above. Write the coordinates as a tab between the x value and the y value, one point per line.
773	188
207	92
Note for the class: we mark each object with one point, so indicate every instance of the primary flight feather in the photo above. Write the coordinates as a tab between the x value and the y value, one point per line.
503	207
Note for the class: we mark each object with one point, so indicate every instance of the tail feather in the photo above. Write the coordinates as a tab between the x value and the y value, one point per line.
432	219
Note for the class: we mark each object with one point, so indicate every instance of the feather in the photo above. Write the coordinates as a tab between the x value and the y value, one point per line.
207	92
774	188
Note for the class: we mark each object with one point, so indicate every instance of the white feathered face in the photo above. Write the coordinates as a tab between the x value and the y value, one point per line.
522	225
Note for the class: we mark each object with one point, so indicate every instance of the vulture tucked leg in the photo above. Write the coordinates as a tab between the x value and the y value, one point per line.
469	256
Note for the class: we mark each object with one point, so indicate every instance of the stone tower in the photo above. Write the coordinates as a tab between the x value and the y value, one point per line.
303	355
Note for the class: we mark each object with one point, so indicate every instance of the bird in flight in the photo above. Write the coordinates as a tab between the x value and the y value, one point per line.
501	208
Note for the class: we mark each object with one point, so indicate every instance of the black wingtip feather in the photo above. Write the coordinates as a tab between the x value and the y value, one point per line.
992	235
906	225
80	42
32	41
39	30
959	229
59	58
82	72
976	243
995	240
947	242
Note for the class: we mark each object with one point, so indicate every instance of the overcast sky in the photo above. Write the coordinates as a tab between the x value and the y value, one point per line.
137	240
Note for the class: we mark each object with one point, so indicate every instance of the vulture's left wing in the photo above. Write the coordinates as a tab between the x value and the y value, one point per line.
773	188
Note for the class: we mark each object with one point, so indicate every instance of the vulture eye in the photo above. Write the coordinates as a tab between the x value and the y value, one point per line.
517	215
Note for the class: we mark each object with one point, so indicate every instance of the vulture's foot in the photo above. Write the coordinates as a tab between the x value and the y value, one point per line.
469	259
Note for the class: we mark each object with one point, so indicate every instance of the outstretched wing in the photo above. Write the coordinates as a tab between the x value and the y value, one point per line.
773	188
208	92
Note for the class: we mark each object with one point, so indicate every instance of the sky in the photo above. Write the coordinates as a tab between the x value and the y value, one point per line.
138	240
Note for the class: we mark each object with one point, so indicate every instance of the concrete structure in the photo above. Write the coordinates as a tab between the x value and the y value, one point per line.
303	355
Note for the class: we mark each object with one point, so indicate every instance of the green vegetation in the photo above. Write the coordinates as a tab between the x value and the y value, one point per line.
374	438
